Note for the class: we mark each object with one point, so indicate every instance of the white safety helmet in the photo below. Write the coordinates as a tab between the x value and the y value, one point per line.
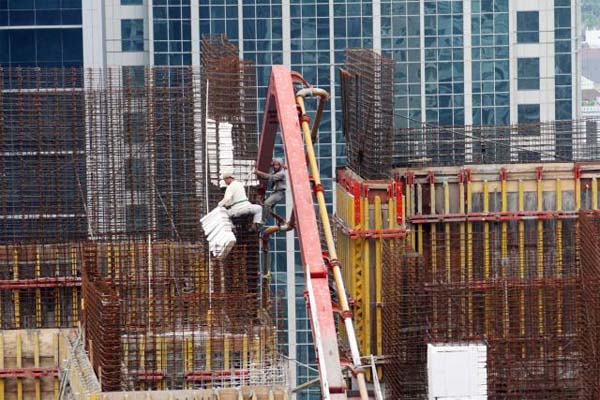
227	173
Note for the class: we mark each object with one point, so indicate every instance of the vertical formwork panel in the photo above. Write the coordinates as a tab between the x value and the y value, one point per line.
367	216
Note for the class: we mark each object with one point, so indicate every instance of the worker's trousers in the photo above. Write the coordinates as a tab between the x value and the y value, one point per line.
246	208
274	198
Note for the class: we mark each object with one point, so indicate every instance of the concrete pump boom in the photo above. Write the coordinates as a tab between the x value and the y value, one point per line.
285	109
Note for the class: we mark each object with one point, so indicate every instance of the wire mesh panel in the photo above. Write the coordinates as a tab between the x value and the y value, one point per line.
141	167
528	318
160	317
42	155
589	224
230	132
368	105
404	322
501	265
104	175
555	141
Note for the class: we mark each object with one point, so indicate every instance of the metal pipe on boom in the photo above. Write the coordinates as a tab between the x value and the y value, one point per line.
346	314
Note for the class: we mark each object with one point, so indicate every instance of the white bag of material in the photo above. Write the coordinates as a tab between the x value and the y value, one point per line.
217	227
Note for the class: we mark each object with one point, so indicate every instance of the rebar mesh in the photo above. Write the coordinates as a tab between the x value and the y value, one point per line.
42	155
589	232
230	133
404	322
368	109
160	317
104	176
524	303
555	141
39	285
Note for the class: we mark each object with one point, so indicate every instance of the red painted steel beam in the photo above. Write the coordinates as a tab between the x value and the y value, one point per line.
151	375
369	233
24	373
281	112
208	375
40	283
494	216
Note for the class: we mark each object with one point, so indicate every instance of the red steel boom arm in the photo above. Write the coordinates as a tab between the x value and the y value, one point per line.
281	112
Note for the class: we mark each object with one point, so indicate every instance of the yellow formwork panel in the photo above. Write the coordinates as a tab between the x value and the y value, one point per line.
367	214
29	360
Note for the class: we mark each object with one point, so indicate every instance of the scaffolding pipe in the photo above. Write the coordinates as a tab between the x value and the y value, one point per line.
335	267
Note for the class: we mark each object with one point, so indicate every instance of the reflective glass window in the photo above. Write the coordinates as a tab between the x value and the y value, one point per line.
528	26
529	114
132	35
528	70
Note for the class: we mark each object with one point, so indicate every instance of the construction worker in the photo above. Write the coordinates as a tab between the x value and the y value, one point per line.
278	186
236	202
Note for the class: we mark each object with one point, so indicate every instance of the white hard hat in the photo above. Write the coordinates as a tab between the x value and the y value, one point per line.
227	173
277	160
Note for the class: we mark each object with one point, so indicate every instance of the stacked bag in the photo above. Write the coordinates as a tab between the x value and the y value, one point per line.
218	230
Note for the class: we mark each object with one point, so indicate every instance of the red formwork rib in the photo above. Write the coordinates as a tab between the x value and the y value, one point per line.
25	373
65	281
281	111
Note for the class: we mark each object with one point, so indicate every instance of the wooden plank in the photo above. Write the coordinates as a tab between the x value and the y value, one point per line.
1	364
36	363
19	346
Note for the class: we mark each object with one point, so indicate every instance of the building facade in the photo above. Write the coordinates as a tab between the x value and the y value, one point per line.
45	35
484	63
41	34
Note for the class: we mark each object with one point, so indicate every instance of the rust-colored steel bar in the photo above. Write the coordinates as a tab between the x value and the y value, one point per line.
522	360
104	175
368	105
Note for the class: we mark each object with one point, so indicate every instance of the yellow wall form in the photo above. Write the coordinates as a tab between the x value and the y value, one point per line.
365	218
439	195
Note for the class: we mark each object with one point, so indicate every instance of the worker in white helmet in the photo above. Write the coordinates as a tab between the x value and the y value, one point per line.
236	202
278	186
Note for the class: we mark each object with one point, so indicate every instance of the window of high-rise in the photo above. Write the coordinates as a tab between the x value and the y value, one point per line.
132	35
528	26
528	71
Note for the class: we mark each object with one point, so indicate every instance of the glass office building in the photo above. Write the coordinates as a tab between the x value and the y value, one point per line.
41	33
45	35
484	62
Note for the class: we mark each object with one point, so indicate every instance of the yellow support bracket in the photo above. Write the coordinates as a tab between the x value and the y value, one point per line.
521	228
16	293
540	258
36	363
378	279
1	364
19	365
364	323
594	193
